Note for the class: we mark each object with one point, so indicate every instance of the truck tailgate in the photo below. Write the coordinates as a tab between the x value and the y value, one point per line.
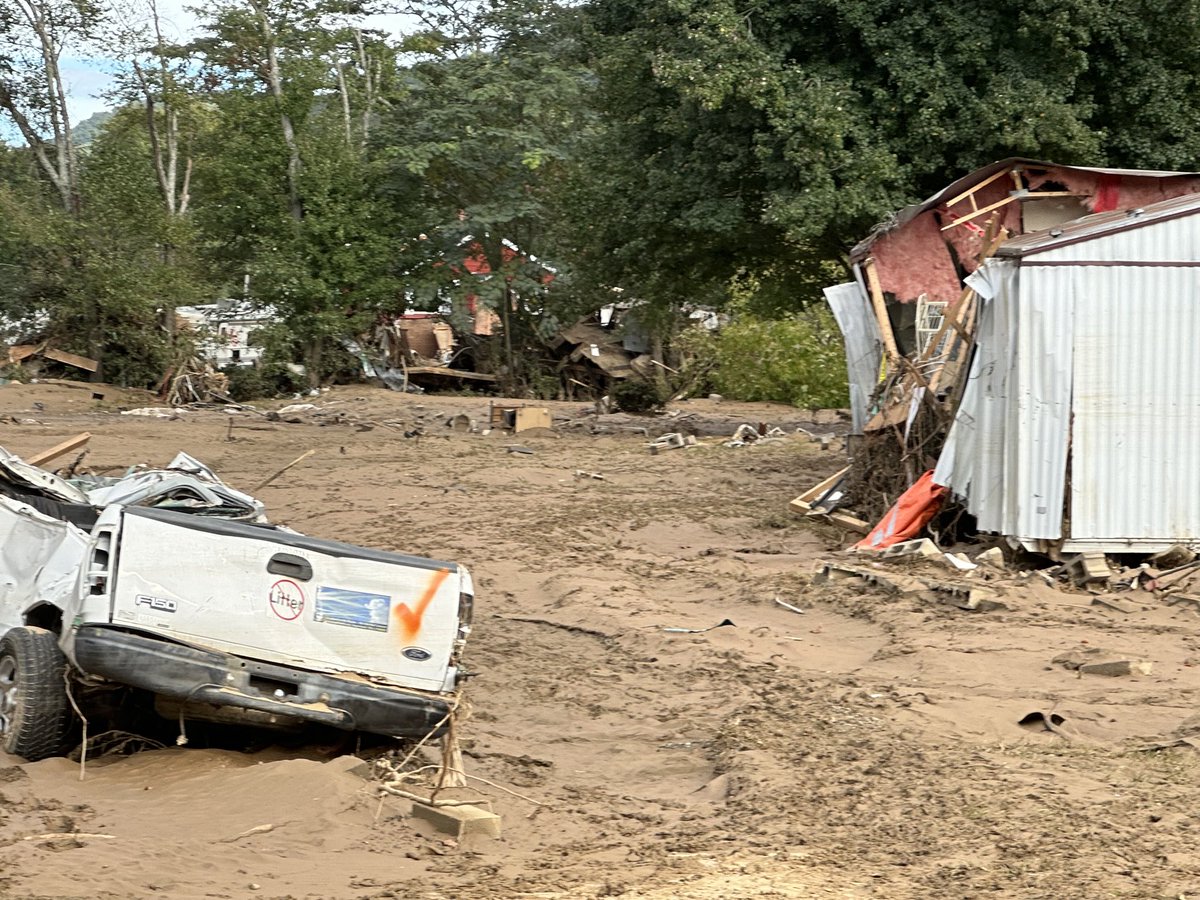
280	597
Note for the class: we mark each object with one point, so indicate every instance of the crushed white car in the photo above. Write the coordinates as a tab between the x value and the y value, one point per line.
172	583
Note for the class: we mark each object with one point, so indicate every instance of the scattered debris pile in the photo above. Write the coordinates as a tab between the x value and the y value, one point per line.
193	380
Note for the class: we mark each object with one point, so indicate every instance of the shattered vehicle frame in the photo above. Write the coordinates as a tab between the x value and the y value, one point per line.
173	583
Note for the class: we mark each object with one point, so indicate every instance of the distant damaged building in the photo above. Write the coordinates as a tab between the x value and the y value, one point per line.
1079	426
971	323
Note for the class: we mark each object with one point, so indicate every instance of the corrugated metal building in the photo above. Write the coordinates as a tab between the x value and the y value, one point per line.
1080	421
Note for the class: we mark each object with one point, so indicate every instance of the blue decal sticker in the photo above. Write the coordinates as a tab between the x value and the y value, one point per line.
354	608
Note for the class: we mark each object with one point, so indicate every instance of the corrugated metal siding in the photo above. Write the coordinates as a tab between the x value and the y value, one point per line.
1135	473
1172	240
1103	359
1007	450
863	346
1039	432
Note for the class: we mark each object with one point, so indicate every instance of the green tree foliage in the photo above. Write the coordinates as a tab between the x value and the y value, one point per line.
766	137
291	197
478	145
722	153
795	359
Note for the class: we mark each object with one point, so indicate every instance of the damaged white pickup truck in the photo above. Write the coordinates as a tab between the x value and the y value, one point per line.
172	583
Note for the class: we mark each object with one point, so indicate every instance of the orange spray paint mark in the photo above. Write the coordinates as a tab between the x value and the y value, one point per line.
410	619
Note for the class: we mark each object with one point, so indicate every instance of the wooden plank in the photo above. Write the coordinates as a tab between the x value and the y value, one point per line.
450	373
842	520
39	459
72	359
20	352
822	486
880	305
891	415
994	237
971	191
986	209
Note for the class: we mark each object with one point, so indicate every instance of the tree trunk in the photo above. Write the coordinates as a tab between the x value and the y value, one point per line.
314	354
275	85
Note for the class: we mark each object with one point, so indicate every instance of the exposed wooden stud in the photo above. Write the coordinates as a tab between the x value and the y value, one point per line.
880	306
987	209
971	191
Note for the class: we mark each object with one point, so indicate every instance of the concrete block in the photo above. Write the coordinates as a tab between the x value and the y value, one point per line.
1089	567
992	557
459	821
982	601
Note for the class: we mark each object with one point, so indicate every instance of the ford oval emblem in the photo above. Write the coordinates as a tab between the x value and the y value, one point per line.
417	654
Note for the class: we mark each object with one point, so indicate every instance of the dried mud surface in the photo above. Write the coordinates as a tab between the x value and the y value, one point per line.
869	747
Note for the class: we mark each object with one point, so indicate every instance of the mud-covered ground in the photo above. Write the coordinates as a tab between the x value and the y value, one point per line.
868	747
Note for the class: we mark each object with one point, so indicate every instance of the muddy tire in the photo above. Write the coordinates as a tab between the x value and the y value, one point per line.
33	694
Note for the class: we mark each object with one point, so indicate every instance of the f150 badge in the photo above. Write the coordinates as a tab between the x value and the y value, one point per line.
158	604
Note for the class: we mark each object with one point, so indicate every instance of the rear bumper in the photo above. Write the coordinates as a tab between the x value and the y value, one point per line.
194	675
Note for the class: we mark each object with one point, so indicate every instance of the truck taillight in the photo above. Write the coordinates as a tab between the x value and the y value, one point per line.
466	608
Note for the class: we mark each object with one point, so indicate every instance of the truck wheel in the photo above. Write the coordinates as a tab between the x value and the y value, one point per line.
33	694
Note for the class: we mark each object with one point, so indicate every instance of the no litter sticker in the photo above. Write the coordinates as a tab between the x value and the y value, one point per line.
287	599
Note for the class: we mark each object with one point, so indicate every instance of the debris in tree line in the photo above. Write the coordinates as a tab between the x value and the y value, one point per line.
723	623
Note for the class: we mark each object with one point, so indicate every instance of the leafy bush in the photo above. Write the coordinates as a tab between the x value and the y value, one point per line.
258	382
796	359
637	395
